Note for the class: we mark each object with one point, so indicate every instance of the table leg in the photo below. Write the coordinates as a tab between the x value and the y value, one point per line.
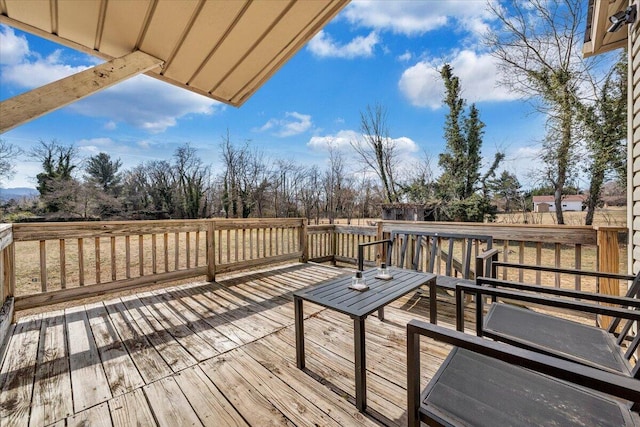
381	313
361	364
433	302
299	325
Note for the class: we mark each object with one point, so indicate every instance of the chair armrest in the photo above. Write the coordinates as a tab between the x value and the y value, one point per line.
517	295
361	247
485	261
606	382
583	295
599	274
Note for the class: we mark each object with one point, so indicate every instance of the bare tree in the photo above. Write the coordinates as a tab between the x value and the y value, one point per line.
8	155
378	150
193	182
538	47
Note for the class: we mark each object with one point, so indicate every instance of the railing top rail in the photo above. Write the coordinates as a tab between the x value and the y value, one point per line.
519	232
89	229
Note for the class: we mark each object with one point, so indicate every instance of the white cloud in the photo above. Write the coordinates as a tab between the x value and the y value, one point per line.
293	124
324	46
340	140
422	85
13	47
418	17
406	56
343	139
141	101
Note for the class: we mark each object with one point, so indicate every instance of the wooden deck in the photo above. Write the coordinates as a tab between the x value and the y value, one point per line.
208	354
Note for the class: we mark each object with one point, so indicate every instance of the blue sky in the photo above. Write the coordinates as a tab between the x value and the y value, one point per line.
382	52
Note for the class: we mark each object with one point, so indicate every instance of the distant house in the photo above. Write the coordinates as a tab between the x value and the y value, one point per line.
548	203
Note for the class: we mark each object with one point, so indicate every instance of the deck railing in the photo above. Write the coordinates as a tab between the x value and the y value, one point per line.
46	263
63	261
580	247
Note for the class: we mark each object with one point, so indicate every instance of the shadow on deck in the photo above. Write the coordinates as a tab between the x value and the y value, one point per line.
210	354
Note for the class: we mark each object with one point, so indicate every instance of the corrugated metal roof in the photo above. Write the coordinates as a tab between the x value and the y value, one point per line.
223	49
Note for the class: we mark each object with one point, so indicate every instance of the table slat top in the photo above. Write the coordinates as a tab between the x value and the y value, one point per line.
337	295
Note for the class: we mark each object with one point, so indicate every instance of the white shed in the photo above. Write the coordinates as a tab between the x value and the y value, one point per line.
548	203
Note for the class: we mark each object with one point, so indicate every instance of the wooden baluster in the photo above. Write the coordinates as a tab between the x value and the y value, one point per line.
188	248
63	265
558	257
505	258
228	246
244	245
96	244
154	254
538	262
211	254
141	254
43	265
176	251
165	248
81	261
521	261
197	254
127	256
578	266
219	232
235	245
114	269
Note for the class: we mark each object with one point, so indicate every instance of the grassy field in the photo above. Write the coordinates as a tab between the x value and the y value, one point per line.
614	217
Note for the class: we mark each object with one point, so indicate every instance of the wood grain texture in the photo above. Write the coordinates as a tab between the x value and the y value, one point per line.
131	409
18	372
52	399
88	380
39	101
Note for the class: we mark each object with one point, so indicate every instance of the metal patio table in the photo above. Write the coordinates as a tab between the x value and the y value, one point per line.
336	295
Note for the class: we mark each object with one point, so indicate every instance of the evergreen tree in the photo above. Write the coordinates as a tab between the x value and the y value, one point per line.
461	178
104	173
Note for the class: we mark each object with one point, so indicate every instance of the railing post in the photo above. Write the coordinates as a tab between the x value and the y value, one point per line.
211	251
608	251
304	257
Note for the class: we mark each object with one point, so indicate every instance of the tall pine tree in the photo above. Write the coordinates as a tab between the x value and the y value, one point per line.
461	162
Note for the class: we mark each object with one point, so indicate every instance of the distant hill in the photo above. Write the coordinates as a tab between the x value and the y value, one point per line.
17	193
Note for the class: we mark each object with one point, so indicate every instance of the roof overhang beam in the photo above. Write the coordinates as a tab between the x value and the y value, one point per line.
40	101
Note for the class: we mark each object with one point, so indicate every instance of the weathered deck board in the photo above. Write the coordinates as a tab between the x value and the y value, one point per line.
146	357
97	416
165	317
88	380
205	398
209	354
131	409
176	356
253	407
52	400
196	323
169	404
216	317
18	371
121	372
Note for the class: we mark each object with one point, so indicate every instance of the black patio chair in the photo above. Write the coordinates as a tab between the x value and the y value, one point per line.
488	383
607	349
423	251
